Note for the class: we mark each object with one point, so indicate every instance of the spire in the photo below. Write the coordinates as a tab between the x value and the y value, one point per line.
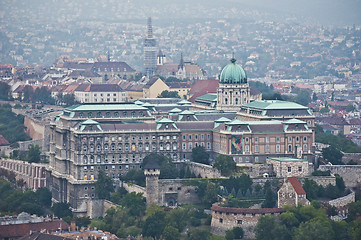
108	56
233	60
150	30
181	64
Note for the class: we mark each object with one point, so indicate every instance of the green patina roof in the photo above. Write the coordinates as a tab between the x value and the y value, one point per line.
186	112
139	102
105	107
287	159
270	122
147	104
233	73
183	102
223	119
175	110
294	120
165	120
274	104
89	122
208	97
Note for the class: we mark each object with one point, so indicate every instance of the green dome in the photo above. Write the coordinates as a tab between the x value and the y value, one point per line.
233	73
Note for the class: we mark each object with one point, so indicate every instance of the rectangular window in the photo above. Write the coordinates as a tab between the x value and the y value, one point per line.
208	136
267	149
256	148
208	145
190	145
278	148
256	140
267	139
300	169
278	139
289	169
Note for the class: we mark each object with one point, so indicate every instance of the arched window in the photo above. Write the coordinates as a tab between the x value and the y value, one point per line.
226	101
99	114
85	160
236	100
289	148
304	147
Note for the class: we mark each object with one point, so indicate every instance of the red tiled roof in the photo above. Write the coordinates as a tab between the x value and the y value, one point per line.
217	208
202	87
3	141
296	185
19	230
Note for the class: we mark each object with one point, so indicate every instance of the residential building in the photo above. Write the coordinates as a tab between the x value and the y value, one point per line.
100	93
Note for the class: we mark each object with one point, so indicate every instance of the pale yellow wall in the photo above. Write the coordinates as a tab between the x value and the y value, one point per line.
157	88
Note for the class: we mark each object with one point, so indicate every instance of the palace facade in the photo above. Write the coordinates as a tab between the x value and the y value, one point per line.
85	139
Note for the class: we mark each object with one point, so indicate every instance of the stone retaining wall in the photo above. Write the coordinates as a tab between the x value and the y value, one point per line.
206	171
351	174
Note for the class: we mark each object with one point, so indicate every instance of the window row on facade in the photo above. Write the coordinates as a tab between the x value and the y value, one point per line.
133	147
111	114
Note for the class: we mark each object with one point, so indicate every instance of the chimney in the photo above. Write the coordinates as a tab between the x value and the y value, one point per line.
72	226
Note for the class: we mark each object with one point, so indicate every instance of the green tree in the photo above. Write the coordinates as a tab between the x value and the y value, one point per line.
170	233
69	99
169	94
104	186
61	209
350	108
136	176
154	225
33	154
199	234
225	164
82	221
354	211
303	97
44	196
318	228
135	202
268	228
210	195
230	235
333	155
178	218
200	155
4	91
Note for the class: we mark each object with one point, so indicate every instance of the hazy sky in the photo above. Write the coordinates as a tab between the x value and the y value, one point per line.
325	11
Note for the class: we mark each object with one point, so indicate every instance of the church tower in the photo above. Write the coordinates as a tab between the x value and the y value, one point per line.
150	51
233	90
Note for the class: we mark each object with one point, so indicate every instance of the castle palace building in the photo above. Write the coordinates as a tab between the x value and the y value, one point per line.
115	137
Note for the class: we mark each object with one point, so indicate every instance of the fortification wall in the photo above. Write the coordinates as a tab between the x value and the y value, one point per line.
130	187
356	157
351	174
321	180
206	171
343	201
174	191
98	207
34	128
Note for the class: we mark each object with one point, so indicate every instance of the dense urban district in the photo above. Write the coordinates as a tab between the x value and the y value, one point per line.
207	128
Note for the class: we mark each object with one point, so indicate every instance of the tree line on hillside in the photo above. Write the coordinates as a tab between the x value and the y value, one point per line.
309	223
12	125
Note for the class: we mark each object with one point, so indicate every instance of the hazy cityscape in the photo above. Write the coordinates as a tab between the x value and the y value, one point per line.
134	119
